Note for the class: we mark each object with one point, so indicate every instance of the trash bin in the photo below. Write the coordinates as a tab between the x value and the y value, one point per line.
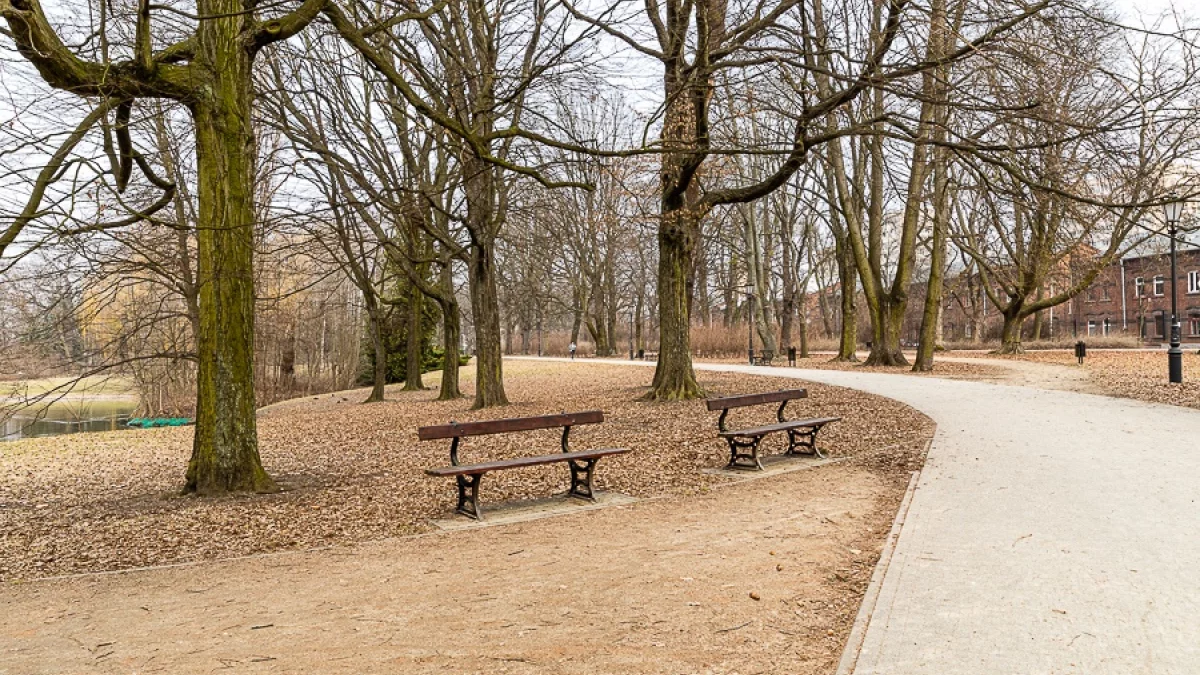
791	356
1080	351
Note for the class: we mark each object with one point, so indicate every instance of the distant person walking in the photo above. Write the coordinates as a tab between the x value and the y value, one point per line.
571	348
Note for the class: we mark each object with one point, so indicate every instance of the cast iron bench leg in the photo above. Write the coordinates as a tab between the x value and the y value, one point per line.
804	438
744	461
468	496
581	478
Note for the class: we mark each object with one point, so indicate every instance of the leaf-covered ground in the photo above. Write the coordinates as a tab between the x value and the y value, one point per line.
1136	374
354	473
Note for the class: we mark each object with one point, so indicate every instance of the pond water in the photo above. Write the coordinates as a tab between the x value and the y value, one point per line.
67	417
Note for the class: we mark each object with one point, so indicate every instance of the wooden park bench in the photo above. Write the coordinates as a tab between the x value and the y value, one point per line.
743	443
762	358
582	463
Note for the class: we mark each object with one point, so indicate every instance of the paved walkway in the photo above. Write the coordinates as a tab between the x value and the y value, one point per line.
1051	532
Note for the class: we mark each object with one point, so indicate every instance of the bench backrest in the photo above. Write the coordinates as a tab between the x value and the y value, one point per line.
727	402
460	430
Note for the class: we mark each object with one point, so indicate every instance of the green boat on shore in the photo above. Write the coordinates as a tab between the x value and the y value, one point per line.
152	422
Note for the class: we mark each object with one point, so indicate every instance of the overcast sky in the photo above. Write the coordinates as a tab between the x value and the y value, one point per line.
1150	9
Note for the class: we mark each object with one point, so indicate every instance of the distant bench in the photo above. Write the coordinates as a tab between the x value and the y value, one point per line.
743	443
763	358
582	463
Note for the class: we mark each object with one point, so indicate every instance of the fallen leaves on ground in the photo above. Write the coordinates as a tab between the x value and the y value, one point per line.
944	369
1135	374
353	473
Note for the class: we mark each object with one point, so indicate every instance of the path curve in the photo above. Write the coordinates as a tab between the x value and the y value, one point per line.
1050	532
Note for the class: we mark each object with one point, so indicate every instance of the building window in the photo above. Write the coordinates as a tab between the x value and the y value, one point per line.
1107	326
1091	327
1159	284
1194	325
1194	282
1139	287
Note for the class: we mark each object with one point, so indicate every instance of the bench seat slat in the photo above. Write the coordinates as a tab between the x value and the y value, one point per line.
459	430
727	402
471	469
778	426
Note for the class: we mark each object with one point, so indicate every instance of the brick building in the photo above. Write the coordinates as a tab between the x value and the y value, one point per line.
1130	297
1145	305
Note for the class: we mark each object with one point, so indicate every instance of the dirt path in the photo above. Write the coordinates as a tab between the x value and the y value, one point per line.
1033	374
659	586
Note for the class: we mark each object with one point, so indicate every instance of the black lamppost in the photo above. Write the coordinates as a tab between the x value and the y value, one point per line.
1173	210
748	289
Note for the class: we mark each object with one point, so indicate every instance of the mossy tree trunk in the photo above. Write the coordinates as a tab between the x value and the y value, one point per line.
414	347
678	235
848	281
210	71
887	320
375	324
485	304
225	450
452	332
1010	334
674	377
931	316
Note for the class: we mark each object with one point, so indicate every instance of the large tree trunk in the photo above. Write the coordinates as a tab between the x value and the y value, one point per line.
674	378
932	314
597	321
1036	333
887	322
848	280
480	189
485	304
225	450
414	345
787	306
452	336
1010	335
580	298
787	310
379	344
931	317
678	239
